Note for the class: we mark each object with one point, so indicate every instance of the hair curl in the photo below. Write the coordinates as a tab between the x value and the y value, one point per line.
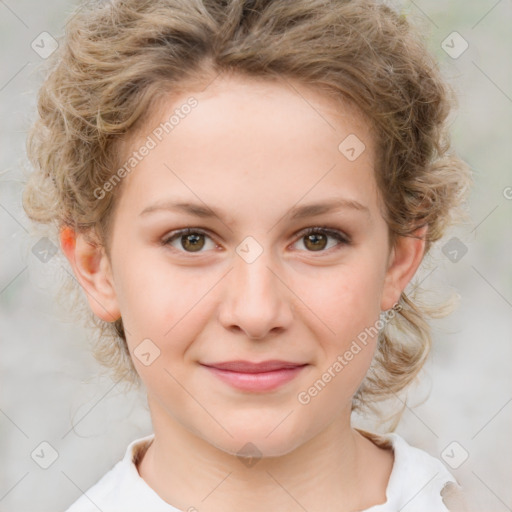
117	58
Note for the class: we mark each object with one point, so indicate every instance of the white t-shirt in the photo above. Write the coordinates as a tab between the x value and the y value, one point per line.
415	483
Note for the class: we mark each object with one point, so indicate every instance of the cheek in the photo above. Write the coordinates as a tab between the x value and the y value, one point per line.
350	299
166	305
351	311
350	307
151	294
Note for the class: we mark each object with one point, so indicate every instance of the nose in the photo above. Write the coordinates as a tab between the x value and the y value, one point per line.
256	301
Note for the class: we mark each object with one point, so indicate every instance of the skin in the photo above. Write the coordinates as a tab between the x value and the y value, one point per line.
252	150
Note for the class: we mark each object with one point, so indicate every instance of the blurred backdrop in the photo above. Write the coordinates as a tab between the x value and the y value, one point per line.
63	425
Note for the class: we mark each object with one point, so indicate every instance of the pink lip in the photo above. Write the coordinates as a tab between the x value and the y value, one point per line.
248	376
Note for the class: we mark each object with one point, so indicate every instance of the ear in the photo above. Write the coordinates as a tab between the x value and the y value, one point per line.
404	259
92	269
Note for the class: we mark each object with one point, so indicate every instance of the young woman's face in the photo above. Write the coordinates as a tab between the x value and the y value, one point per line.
241	171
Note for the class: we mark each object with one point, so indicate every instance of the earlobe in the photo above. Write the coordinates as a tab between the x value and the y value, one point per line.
92	270
405	258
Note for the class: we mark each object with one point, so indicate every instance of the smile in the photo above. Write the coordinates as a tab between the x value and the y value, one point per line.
255	377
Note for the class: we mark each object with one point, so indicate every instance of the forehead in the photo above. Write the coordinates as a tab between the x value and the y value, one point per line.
261	103
280	139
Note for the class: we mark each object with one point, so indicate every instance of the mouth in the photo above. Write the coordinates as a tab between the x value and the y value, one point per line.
255	377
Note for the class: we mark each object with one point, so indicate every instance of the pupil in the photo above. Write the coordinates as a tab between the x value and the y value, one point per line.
315	239
191	242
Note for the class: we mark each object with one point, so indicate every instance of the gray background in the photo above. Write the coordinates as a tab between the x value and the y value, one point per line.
51	387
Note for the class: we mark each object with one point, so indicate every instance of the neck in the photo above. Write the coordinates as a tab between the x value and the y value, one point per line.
336	469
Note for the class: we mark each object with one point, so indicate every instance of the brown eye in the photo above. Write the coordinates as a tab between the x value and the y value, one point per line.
193	242
187	240
317	239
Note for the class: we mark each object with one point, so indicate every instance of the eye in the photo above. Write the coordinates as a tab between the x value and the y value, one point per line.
188	239
316	239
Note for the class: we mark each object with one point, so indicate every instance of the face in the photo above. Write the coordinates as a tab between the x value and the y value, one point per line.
260	274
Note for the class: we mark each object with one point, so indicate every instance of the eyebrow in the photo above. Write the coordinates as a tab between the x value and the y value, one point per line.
296	213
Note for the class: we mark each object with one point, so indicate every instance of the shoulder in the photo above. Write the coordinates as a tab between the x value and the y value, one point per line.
122	489
418	481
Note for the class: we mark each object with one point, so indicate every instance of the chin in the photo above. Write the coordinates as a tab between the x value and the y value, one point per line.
247	448
256	438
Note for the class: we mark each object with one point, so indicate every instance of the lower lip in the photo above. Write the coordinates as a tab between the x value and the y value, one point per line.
265	381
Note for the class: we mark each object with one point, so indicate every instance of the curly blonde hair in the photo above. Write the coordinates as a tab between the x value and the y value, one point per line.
117	58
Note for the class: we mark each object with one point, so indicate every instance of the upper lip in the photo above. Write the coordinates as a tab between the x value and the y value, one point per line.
250	367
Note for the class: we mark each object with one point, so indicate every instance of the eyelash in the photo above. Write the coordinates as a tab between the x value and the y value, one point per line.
324	230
